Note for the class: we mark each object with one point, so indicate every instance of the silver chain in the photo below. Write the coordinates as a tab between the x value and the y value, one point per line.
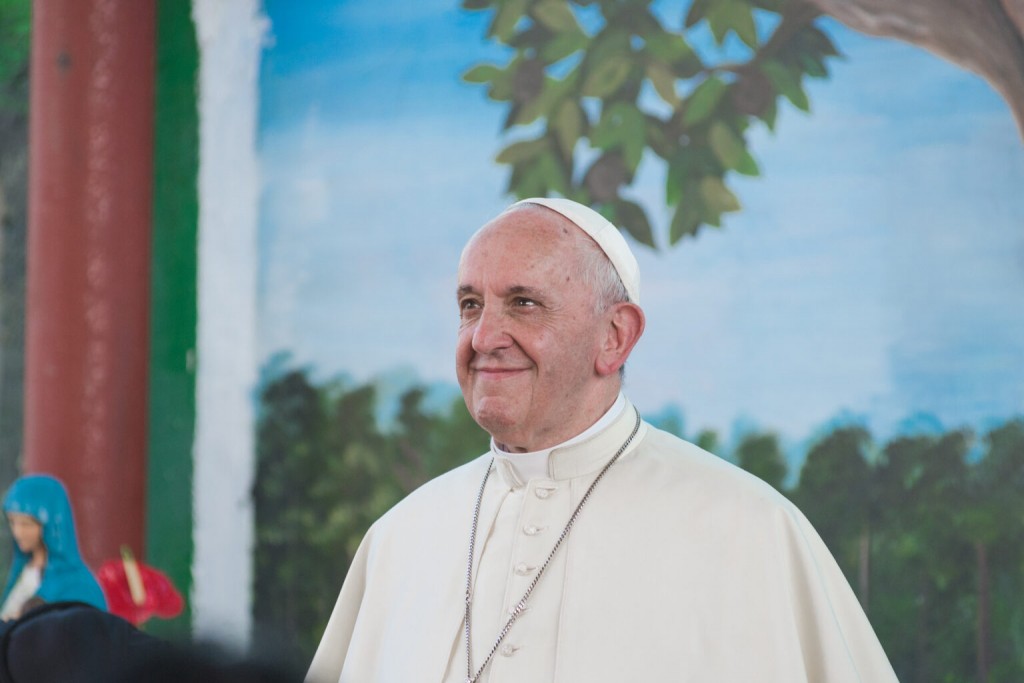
521	605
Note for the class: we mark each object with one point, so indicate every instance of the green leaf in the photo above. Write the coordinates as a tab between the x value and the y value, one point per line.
634	124
698	10
739	16
518	152
673	187
718	24
727	146
556	15
686	221
529	183
664	82
703	100
821	42
476	4
633	151
787	83
568	124
619	122
607	76
562	46
514	111
606	133
507	18
813	66
551	174
674	180
799	100
632	217
515	179
657	139
613	41
482	73
717	197
500	91
552	93
668	47
540	105
748	165
502	87
679	177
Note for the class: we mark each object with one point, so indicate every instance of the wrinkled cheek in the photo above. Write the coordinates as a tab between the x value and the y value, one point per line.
463	356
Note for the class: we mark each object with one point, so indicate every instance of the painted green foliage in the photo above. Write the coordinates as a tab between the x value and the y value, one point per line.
15	30
325	472
926	528
15	27
596	102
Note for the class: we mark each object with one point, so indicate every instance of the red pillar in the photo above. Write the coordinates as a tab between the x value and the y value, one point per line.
90	199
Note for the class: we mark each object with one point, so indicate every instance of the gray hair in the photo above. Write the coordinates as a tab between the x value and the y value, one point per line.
598	274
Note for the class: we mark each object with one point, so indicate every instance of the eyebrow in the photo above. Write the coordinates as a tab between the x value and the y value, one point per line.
522	289
514	290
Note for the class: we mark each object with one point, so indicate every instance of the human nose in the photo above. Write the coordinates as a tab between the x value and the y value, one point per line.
490	333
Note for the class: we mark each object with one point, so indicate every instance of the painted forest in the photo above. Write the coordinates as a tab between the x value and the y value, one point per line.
926	527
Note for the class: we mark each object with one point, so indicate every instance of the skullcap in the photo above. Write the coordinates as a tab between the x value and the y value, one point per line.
601	231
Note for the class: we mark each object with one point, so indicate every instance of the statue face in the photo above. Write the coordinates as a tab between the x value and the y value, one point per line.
27	531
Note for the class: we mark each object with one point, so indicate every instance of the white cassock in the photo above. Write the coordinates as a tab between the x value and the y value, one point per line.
680	567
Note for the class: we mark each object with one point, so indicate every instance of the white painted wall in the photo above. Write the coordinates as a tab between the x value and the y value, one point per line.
230	35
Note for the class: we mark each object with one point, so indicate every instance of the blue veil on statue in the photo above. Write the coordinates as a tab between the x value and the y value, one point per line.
65	576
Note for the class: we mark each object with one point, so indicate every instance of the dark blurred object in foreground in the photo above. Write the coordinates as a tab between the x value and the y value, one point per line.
72	642
203	664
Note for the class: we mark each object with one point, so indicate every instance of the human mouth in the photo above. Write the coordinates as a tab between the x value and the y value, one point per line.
497	372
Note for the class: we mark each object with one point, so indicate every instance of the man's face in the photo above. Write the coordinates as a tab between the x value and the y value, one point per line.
27	532
529	334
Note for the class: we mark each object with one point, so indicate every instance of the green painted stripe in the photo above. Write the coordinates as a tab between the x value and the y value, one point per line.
172	400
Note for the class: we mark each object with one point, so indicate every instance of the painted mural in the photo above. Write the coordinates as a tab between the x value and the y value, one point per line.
830	229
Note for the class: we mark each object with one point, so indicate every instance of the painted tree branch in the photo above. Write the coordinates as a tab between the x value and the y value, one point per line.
983	36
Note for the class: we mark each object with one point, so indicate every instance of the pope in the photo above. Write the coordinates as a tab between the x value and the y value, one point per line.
587	545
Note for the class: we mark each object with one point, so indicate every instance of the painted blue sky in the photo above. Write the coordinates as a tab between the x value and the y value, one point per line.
876	272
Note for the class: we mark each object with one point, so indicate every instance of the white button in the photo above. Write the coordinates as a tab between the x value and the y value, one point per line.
532	530
542	493
507	650
523	569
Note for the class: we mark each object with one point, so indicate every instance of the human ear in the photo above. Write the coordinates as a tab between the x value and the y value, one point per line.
625	324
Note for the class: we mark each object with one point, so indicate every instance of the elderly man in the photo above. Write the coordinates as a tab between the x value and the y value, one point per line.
587	546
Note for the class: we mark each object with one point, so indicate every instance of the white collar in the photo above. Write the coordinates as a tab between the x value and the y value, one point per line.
534	465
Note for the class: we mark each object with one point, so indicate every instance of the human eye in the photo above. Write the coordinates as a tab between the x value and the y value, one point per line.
524	302
467	305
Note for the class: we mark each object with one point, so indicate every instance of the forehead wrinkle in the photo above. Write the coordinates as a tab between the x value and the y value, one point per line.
571	241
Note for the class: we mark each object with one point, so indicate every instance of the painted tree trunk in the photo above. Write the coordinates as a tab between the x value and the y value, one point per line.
864	568
984	37
984	612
